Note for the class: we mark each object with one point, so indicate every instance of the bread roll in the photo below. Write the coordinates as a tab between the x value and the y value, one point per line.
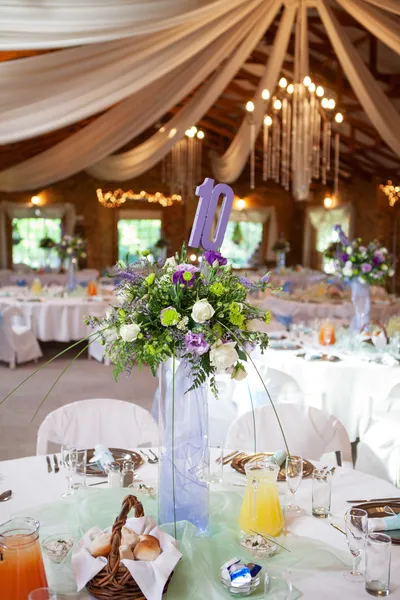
126	552
148	537
129	537
147	550
101	545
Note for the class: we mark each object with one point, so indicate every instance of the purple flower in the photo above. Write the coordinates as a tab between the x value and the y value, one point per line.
196	343
344	257
184	274
211	256
366	268
378	257
342	237
246	283
265	278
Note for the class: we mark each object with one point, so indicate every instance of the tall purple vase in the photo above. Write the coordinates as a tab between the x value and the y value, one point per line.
183	491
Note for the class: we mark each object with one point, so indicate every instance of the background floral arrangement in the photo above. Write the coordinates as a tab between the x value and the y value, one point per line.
332	251
371	264
74	247
281	246
46	243
174	308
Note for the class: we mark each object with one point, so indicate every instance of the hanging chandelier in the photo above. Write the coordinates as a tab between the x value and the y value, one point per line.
118	197
181	168
392	192
297	127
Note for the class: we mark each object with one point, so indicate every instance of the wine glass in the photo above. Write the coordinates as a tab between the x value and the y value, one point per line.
69	459
356	521
294	474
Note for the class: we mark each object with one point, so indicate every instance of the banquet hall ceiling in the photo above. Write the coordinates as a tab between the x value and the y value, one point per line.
363	152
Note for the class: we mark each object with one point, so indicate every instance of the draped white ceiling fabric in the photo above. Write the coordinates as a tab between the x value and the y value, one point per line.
382	25
43	93
229	166
372	98
139	59
25	25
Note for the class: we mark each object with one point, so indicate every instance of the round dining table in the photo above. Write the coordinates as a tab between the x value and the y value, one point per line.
35	489
57	319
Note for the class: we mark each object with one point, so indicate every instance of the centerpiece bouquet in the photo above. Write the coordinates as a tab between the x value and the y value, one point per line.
362	265
187	323
46	243
71	247
281	245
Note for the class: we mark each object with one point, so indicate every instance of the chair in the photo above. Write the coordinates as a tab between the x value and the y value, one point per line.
113	423
18	343
310	432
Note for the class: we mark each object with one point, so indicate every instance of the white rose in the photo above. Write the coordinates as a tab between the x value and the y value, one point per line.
170	262
129	333
391	272
202	311
384	267
69	250
362	280
252	325
239	372
223	356
347	271
349	250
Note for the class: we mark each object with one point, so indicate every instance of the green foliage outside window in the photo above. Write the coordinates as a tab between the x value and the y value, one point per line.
32	231
240	243
135	235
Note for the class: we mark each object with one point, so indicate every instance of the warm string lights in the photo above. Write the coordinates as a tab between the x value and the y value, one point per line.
181	169
118	197
392	192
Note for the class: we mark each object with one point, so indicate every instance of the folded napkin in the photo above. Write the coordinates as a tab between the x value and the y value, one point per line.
151	577
384	523
102	456
279	457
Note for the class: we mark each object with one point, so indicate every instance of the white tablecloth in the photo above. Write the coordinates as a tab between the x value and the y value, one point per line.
308	311
297	279
350	390
85	275
58	319
33	485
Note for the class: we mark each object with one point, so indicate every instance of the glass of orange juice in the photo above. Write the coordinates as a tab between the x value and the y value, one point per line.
21	563
261	510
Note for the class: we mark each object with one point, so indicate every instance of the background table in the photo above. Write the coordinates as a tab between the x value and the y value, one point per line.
58	319
297	279
85	275
32	485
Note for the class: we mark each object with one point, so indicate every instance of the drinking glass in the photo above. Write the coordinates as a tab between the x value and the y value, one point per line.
377	564
42	594
356	521
217	464
321	493
68	461
79	476
294	474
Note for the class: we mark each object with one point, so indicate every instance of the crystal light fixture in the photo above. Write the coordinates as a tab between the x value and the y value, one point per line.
181	169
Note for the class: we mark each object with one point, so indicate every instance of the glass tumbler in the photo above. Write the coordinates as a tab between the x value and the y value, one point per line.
79	476
377	564
217	464
321	493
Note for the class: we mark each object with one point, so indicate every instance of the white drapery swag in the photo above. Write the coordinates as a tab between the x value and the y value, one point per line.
63	23
260	215
14	210
127	120
323	222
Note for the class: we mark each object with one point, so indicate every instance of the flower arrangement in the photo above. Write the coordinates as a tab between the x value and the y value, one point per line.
199	314
47	243
332	251
281	245
71	247
371	264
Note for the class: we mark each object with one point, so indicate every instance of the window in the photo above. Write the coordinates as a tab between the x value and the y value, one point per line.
135	235
242	240
27	234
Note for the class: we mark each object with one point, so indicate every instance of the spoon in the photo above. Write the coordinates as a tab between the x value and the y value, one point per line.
5	496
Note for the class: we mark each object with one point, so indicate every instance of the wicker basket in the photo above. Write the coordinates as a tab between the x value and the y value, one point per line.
115	582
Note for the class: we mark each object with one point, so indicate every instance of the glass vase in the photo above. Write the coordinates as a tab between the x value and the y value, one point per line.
71	274
183	490
361	299
280	261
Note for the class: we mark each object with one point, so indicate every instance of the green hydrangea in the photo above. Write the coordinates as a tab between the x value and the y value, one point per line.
187	276
237	319
150	279
217	289
267	318
170	317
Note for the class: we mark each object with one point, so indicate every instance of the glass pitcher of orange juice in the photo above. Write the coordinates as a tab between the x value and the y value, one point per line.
21	563
261	510
92	288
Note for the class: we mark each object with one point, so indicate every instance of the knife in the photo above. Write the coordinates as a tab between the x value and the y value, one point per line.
56	467
49	467
396	499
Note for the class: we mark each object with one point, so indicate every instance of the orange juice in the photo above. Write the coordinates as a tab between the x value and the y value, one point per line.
327	334
261	510
21	565
92	288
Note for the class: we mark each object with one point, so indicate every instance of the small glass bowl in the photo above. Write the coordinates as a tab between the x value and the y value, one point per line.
57	546
243	590
258	546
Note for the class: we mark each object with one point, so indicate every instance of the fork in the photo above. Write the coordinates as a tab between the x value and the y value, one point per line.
150	460
154	454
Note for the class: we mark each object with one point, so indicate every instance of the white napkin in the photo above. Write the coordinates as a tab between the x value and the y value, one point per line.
151	577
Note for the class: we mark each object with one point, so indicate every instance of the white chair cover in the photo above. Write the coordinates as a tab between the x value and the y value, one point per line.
113	423
18	343
310	432
378	452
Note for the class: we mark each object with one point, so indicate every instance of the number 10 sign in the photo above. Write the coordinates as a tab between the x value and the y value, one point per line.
206	211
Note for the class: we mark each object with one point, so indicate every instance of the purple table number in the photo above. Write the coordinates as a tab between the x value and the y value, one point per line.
206	210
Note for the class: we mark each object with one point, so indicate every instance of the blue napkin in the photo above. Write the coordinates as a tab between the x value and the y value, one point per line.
285	320
384	523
